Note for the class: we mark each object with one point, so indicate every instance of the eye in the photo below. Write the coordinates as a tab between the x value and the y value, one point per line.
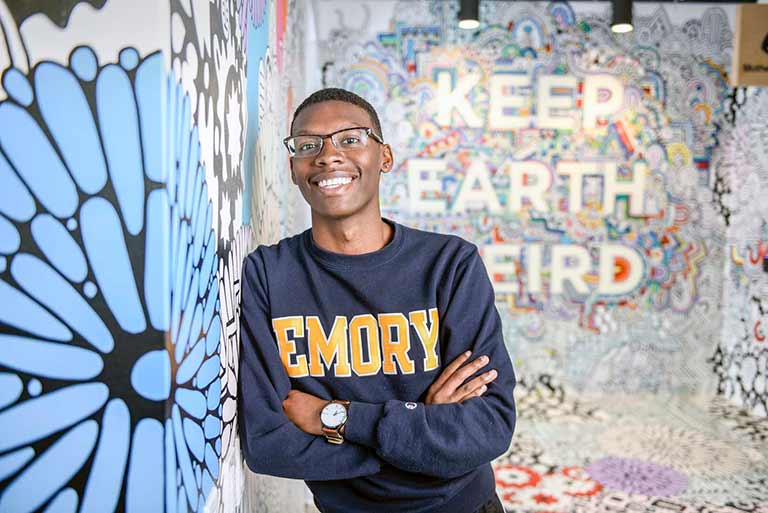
350	139
305	147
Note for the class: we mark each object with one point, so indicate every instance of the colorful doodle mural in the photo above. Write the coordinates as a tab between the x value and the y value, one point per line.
122	235
603	178
613	184
579	162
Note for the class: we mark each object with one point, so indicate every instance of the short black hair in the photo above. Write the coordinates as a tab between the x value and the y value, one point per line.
341	95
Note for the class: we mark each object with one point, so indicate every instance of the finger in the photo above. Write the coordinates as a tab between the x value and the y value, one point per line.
451	368
475	384
477	393
456	388
461	375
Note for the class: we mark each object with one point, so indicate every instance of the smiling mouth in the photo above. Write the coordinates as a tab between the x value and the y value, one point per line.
334	184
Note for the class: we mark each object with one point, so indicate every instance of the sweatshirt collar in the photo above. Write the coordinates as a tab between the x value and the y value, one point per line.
366	260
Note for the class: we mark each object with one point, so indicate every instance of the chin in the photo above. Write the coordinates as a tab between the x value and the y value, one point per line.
348	207
337	209
336	214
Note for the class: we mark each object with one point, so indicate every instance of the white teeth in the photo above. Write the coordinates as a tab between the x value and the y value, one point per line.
334	182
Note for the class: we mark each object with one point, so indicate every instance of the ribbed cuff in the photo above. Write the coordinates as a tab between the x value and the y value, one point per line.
362	423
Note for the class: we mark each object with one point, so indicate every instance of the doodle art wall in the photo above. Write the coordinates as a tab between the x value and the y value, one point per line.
585	165
613	184
139	164
740	361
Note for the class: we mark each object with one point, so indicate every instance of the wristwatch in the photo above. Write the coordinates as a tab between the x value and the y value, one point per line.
333	417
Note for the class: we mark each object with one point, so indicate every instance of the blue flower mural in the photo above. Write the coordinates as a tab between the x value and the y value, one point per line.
109	354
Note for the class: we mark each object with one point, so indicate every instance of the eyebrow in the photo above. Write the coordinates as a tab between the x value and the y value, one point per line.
305	132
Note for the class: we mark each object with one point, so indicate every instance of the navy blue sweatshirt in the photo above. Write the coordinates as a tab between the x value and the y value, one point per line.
375	329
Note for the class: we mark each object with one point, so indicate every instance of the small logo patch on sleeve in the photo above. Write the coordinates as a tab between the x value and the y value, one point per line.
411	406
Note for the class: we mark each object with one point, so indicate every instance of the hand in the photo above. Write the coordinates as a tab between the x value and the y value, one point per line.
304	410
449	387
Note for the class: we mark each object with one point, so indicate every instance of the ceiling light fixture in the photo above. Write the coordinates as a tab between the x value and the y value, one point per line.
621	20
469	14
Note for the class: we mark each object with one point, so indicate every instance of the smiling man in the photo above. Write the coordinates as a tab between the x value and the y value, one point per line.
372	361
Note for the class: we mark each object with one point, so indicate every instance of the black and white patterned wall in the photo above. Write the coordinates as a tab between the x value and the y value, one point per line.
134	136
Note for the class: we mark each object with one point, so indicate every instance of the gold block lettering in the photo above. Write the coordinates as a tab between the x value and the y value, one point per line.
428	337
368	323
395	350
327	347
287	346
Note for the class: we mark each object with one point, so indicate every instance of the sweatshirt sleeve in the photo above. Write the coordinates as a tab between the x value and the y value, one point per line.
271	443
448	440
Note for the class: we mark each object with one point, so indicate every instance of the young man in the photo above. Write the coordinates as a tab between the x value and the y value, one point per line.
355	370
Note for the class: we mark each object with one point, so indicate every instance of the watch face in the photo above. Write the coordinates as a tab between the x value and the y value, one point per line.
333	415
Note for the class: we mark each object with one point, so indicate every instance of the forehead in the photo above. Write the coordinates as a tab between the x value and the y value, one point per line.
329	116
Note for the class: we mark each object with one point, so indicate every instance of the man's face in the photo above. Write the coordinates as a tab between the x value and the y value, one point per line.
362	165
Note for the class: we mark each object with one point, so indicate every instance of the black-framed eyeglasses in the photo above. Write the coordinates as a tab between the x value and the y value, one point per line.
346	139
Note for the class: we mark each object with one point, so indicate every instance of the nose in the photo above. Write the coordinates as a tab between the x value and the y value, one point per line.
328	153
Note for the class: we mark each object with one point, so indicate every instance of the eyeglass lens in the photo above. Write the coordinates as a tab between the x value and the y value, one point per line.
311	145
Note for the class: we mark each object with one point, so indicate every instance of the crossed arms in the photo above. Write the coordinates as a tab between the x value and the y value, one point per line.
452	386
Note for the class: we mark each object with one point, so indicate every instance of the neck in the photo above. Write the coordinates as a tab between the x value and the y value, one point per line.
351	236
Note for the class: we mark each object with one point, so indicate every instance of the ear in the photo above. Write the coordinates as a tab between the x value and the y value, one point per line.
387	160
